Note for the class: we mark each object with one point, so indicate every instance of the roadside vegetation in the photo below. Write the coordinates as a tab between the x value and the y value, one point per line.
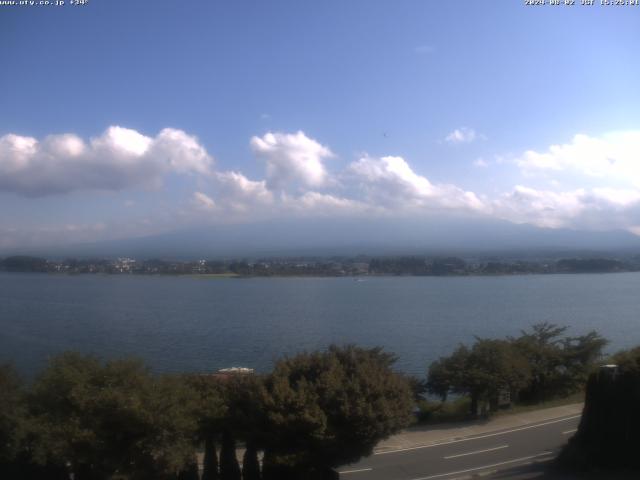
315	411
115	420
537	367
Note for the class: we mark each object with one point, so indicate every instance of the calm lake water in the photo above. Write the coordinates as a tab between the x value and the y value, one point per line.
198	324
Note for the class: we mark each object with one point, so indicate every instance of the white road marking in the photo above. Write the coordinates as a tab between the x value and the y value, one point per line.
570	431
515	460
448	442
477	451
356	471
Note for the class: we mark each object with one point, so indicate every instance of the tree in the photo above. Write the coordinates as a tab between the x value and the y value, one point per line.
112	417
245	416
559	365
446	374
628	360
418	387
250	463
229	468
212	411
542	348
13	425
483	372
12	414
210	467
580	356
329	408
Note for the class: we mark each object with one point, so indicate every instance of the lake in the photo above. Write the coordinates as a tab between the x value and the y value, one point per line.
202	324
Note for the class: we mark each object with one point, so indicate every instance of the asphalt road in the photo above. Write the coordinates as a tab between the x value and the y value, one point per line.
468	456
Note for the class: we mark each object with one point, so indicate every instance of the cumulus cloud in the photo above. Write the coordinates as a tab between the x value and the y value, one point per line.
593	209
240	193
390	181
463	135
614	156
181	152
292	159
298	183
117	159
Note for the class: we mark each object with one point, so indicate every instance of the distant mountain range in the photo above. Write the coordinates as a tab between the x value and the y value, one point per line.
327	237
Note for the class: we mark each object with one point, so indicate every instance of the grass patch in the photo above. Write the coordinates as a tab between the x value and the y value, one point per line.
577	397
457	410
430	412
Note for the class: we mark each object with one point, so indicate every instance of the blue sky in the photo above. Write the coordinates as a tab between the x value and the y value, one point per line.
123	118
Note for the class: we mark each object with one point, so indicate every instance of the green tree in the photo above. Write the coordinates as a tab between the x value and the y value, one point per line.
229	467
210	467
483	372
559	365
212	412
113	417
446	375
542	348
12	414
580	356
326	409
14	430
244	397
250	463
418	387
628	360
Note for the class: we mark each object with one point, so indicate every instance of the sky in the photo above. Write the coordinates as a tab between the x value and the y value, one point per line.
122	119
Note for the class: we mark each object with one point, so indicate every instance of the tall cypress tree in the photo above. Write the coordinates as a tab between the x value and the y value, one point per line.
210	471
250	464
229	468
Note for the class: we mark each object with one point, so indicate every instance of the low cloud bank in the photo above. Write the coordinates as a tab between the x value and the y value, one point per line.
298	180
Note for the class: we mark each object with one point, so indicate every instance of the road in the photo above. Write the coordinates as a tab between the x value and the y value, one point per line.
468	456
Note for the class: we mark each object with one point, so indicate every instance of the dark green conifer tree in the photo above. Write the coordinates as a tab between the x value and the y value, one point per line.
210	470
229	468
250	464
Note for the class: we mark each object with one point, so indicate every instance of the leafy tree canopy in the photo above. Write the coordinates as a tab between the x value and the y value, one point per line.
330	408
111	417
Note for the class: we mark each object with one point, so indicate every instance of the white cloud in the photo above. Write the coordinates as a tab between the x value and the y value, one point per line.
390	181
540	207
463	135
324	204
117	159
297	182
292	159
181	151
614	156
202	201
240	193
594	209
